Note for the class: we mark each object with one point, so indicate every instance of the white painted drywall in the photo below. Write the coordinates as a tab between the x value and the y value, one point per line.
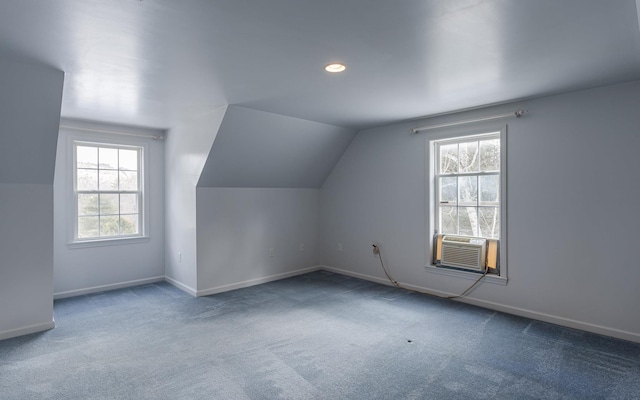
261	149
26	261
79	270
186	150
573	193
29	115
238	226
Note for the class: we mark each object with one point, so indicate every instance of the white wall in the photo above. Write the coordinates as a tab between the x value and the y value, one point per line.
79	270
238	226
259	191
572	205
26	266
29	115
186	150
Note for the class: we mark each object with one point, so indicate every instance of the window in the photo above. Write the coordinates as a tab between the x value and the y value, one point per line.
467	195
108	191
467	186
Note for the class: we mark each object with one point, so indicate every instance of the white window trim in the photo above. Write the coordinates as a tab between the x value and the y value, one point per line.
445	134
106	140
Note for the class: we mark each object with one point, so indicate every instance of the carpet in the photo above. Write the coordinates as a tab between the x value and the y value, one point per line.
315	336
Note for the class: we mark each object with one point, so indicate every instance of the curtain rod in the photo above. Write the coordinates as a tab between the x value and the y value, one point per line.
154	137
517	114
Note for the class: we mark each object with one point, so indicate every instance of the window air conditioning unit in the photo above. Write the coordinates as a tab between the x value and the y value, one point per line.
464	252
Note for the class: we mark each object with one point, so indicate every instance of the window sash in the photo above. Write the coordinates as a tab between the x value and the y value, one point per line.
477	204
139	193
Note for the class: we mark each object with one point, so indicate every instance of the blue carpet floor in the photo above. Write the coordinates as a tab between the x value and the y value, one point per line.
316	336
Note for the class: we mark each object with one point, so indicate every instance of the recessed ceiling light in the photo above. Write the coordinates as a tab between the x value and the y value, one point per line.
335	67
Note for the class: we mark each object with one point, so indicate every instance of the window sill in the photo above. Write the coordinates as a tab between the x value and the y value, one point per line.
108	242
498	280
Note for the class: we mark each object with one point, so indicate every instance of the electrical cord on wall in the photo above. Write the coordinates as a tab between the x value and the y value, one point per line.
377	251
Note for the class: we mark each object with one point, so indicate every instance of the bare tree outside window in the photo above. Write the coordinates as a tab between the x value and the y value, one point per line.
468	186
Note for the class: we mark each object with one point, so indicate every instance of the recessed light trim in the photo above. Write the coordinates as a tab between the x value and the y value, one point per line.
335	67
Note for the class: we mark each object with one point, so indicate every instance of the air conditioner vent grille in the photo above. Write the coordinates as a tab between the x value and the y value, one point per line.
461	257
460	239
464	252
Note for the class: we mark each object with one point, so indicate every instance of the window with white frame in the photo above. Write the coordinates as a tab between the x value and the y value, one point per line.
468	183
108	191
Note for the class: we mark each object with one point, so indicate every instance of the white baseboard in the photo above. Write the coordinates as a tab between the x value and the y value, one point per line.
257	281
554	319
181	286
365	277
104	288
27	330
522	312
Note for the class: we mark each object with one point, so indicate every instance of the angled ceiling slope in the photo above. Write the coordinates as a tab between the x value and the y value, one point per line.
144	62
264	150
30	99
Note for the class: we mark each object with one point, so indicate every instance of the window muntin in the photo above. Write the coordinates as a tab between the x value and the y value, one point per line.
108	191
467	185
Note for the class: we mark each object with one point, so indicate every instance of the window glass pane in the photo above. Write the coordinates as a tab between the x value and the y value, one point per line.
469	157
448	220
128	160
108	158
128	180
88	204
108	180
86	157
468	186
489	221
468	221
109	204
448	190
490	155
449	159
87	179
129	203
129	224
489	189
87	227
109	226
107	169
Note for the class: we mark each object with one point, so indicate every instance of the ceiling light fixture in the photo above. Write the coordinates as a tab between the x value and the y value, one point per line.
336	67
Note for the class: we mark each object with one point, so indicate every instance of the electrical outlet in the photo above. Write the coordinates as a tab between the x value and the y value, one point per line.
301	246
271	253
180	257
339	246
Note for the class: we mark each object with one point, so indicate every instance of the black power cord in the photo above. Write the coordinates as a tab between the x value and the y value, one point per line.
378	252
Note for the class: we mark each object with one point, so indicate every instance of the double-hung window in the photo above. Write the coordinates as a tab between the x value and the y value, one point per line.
467	188
468	195
108	191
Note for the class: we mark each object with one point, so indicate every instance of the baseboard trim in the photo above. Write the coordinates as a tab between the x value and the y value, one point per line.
181	286
257	281
522	312
365	277
554	319
26	330
104	288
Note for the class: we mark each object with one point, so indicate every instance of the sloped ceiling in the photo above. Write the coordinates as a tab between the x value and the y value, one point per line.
141	62
30	98
264	150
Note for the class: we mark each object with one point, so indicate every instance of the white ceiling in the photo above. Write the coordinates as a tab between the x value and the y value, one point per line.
146	62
